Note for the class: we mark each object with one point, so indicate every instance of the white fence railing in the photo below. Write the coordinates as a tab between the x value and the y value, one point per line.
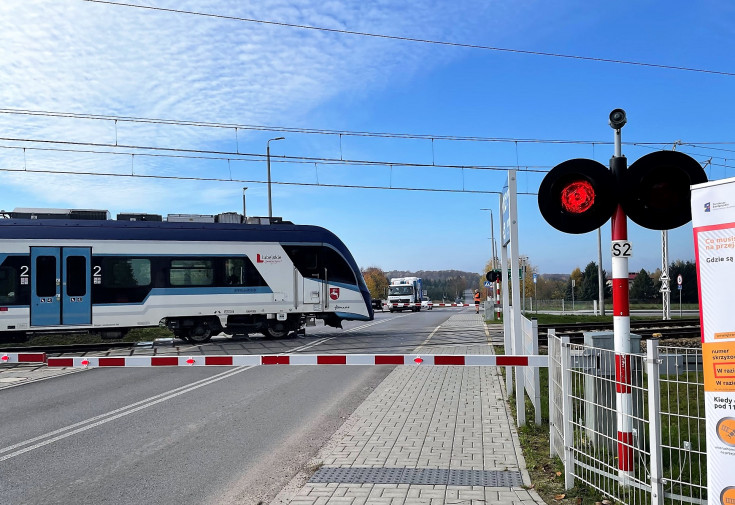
531	376
668	446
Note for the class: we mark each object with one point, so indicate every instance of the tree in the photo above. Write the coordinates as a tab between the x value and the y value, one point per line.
376	282
642	287
590	283
575	276
688	271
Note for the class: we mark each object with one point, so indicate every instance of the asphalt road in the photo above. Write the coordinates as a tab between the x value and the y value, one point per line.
193	435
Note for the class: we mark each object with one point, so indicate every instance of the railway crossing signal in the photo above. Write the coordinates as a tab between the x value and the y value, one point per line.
493	275
580	195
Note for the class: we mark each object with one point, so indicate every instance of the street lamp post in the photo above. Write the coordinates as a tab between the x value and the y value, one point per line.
268	161
492	239
244	214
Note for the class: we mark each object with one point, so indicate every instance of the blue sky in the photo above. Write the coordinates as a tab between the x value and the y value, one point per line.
87	58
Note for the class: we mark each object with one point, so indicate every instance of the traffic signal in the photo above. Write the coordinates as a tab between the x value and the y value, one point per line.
580	195
657	192
577	196
493	275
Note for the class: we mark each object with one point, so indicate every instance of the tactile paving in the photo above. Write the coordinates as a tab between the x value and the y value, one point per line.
426	476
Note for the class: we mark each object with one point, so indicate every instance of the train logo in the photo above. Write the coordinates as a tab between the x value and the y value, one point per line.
334	293
267	258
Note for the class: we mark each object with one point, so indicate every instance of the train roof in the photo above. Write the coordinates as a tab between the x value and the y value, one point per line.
161	230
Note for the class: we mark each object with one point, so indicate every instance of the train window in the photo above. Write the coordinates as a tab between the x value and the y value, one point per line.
76	276
337	268
126	272
8	288
313	261
235	271
305	259
191	272
241	272
46	276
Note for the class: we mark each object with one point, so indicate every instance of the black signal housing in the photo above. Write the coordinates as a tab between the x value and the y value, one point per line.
577	196
657	189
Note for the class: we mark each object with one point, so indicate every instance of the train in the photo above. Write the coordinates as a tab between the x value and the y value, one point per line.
75	270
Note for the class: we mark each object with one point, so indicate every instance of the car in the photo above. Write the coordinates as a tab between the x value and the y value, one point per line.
427	304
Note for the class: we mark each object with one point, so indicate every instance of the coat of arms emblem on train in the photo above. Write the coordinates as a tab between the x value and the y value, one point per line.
334	293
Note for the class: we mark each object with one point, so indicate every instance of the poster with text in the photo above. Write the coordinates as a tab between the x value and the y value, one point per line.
713	218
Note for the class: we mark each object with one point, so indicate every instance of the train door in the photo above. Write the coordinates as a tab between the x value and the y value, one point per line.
61	286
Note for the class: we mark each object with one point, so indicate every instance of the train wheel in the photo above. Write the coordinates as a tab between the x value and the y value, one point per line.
276	331
200	333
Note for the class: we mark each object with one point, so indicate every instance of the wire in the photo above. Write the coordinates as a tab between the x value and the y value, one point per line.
252	181
232	156
317	131
423	41
286	129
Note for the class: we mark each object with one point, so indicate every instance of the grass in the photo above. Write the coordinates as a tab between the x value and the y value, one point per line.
579	318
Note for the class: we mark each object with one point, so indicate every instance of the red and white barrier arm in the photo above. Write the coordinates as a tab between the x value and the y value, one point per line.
23	357
302	359
429	304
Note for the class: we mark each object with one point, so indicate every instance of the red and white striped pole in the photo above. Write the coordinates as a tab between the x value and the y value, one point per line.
621	314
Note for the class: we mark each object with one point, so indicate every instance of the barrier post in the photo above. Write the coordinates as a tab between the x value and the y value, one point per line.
654	419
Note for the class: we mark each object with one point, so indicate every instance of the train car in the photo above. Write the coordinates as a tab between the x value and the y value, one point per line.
71	273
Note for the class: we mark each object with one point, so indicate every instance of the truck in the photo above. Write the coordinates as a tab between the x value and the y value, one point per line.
405	290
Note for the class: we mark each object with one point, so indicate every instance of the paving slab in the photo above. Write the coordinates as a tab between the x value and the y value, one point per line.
434	435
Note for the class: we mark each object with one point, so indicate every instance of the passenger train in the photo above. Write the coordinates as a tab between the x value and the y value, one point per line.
81	270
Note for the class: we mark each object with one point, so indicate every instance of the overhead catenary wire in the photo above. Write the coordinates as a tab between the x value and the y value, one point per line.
204	154
418	40
318	131
251	181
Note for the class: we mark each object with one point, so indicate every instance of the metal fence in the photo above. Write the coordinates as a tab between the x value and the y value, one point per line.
531	380
667	452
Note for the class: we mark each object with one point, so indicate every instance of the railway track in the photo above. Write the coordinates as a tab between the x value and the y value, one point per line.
675	329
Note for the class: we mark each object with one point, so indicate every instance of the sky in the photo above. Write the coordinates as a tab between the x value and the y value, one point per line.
161	110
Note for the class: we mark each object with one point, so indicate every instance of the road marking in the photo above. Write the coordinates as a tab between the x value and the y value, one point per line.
93	422
325	339
428	338
39	379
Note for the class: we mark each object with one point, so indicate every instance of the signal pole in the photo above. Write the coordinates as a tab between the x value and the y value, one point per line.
621	311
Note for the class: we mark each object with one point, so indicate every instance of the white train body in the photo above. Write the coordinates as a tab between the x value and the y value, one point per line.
196	278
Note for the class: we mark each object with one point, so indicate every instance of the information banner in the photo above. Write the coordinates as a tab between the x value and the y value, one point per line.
713	218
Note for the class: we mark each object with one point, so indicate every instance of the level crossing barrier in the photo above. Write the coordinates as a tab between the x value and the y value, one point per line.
429	304
23	357
300	359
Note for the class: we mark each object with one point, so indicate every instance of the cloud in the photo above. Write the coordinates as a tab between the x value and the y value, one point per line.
89	58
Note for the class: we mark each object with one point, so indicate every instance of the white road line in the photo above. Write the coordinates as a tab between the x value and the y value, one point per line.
427	338
318	342
39	379
93	422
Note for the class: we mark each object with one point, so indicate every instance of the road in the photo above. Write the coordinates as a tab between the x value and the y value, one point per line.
193	435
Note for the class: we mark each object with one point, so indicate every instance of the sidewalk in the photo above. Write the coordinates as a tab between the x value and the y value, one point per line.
434	436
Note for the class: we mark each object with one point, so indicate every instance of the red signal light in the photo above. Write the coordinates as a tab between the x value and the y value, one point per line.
577	197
